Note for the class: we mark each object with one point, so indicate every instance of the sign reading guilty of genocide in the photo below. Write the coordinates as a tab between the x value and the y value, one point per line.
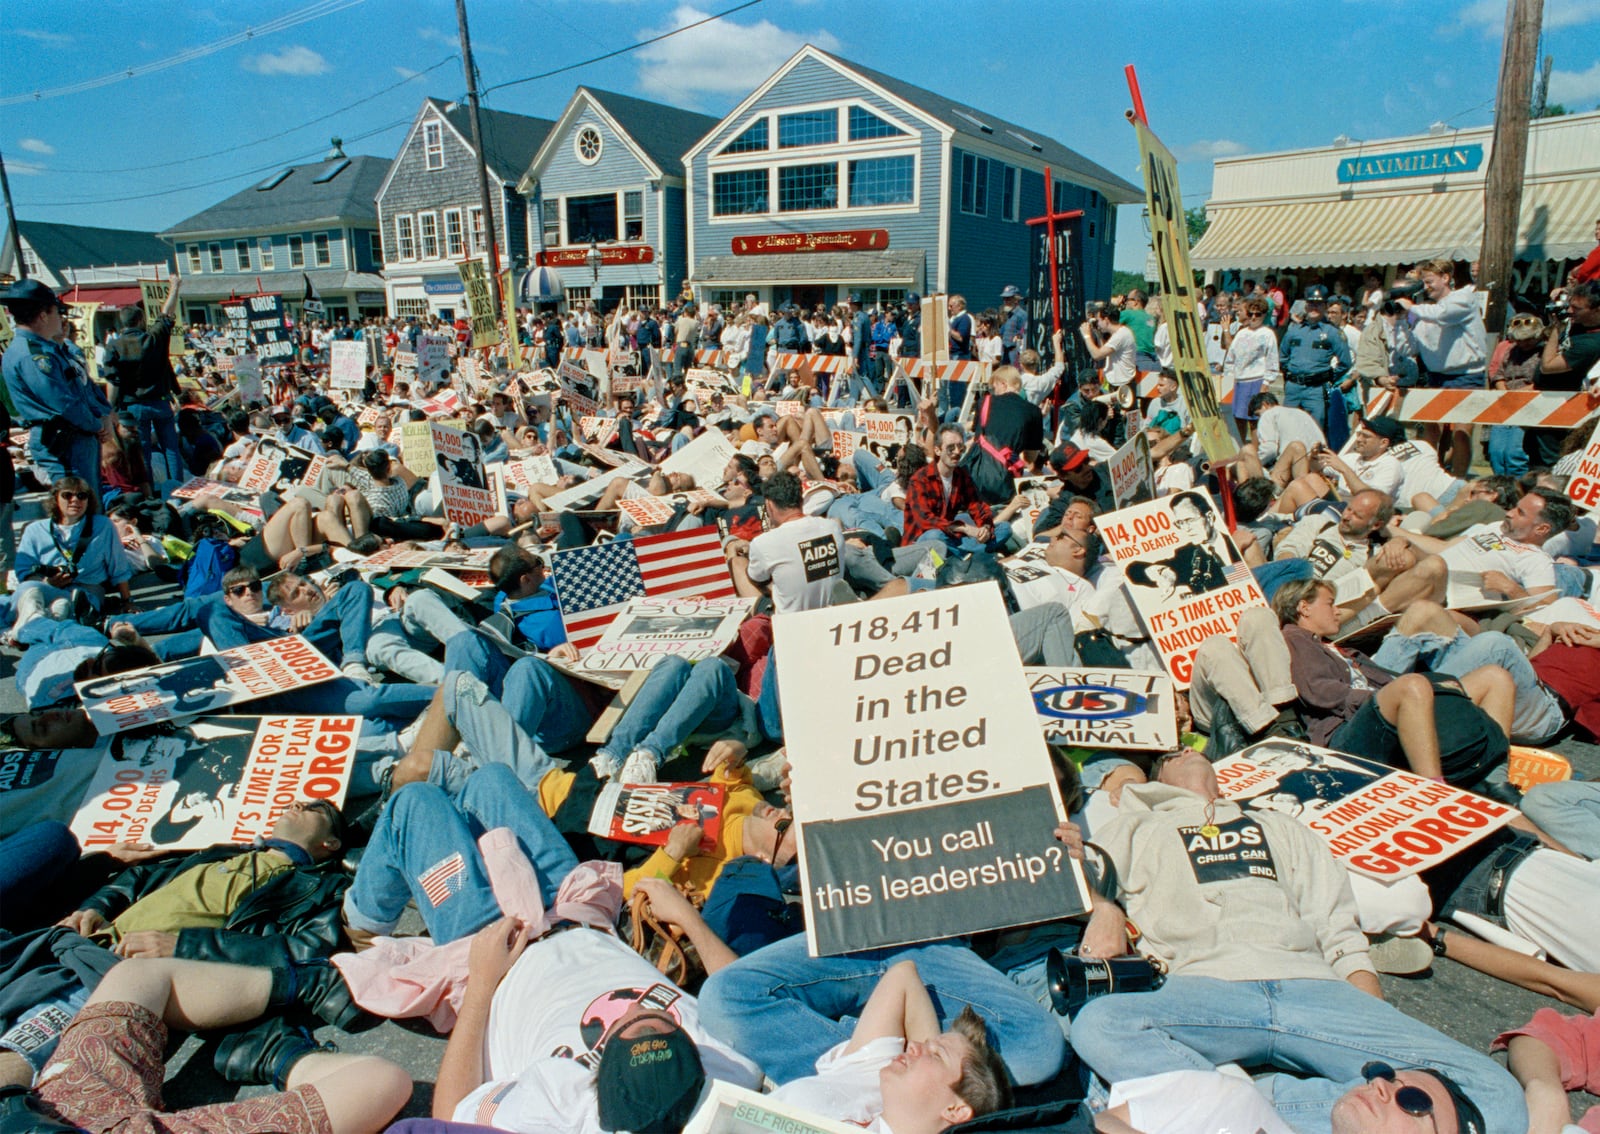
926	801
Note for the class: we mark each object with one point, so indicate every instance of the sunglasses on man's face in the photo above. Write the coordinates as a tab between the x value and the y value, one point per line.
1413	1100
243	589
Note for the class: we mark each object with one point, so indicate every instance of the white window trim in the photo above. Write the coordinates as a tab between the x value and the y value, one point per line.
476	245
428	150
316	249
857	153
438	240
267	254
297	242
214	257
577	151
401	238
560	203
911	137
245	260
196	260
461	235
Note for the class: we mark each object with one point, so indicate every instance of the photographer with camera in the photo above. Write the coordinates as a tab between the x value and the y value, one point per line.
1452	344
1573	348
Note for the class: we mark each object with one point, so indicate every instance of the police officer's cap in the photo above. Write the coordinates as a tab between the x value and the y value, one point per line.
912	299
1340	299
1010	292
30	292
1317	294
855	297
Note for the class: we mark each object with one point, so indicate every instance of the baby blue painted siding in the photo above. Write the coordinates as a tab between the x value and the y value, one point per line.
812	82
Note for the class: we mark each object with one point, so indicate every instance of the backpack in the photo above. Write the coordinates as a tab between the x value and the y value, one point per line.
202	575
137	369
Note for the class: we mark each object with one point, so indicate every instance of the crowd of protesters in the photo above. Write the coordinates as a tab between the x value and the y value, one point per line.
591	985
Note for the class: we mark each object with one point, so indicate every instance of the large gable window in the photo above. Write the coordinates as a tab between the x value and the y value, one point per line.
805	187
752	140
808	128
865	125
592	218
433	144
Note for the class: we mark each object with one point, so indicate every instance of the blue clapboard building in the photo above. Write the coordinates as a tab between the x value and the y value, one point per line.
832	177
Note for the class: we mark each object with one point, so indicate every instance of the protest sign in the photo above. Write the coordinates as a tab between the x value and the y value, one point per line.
577	389
347	368
1133	477
705	458
468	493
1184	574
1528	766
416	447
594	487
1169	238
519	475
272	339
190	686
1104	708
650	630
1380	822
405	365
247	373
275	463
82	316
925	797
1584	487
433	356
217	780
647	511
246	504
846	441
408	559
480	304
885	429
153	296
645	814
1038	490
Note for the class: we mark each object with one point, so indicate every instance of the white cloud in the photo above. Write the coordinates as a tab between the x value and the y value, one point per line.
1207	150
720	58
1489	16
1576	90
406	72
55	39
297	60
36	146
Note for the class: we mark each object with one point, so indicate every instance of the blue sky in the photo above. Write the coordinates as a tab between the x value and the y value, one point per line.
1244	78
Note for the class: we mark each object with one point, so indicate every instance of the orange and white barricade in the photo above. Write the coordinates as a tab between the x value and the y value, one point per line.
1528	409
715	359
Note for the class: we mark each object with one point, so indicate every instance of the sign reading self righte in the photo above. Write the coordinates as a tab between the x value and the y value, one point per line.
925	796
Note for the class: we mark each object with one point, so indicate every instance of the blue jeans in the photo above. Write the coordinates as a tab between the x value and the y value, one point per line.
678	700
30	863
1506	455
1271	576
966	544
158	435
341	629
1312	399
1536	716
74	453
543	702
425	828
1572	582
871	472
784	1008
1324	1028
1568	812
398	702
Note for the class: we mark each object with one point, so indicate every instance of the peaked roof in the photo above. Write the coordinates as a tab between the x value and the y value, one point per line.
509	140
296	199
664	132
61	246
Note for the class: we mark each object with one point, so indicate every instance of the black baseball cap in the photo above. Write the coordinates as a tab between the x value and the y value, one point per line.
1068	457
649	1085
1469	1119
1386	427
30	291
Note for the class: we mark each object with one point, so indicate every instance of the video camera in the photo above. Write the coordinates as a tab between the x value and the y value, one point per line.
1407	289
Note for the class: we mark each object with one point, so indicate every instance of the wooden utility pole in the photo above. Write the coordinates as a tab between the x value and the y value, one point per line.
1502	191
477	144
11	218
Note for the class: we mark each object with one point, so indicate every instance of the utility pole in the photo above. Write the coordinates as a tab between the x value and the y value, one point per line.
1541	93
483	158
11	218
1502	193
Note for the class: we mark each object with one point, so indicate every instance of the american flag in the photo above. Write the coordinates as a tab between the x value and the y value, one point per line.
1238	573
593	584
491	1103
442	879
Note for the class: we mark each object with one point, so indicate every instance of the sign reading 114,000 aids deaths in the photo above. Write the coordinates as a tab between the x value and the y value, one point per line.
922	787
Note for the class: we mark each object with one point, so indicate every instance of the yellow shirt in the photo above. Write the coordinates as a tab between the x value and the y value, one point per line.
697	873
203	896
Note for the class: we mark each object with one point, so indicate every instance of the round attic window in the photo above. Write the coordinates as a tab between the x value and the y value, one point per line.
587	145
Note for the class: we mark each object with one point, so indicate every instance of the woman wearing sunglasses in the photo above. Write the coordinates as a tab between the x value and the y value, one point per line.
68	560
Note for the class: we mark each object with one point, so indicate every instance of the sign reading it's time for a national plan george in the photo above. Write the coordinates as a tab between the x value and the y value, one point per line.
923	790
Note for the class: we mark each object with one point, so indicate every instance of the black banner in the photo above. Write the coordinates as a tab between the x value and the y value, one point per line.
267	330
933	872
1069	281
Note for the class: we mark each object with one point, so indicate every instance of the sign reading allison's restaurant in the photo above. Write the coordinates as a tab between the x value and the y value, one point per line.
852	240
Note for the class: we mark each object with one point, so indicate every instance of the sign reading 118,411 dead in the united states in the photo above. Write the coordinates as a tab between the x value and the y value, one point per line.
922	787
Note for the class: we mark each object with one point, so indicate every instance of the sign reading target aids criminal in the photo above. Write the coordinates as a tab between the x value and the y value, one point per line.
924	795
1104	708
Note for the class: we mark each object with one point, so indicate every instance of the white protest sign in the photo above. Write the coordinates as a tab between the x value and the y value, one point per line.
1104	708
468	495
247	373
1184	574
530	471
1377	821
647	511
651	630
923	788
433	356
592	489
416	447
347	368
1584	487
705	458
1133	477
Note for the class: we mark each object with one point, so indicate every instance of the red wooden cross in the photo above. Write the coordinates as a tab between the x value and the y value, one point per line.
1049	221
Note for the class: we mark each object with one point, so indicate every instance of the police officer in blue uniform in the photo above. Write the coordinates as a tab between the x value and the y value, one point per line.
1314	353
48	386
1014	328
789	334
911	329
861	345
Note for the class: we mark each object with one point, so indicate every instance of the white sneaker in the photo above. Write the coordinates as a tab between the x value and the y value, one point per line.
640	767
605	765
61	610
358	672
766	772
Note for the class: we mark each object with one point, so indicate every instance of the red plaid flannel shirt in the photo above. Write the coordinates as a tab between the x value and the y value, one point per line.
927	508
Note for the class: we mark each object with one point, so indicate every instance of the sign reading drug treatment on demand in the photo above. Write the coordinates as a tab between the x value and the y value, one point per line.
922	786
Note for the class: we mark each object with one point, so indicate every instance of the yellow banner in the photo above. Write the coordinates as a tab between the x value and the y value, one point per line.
513	339
7	331
480	304
154	295
1169	233
83	323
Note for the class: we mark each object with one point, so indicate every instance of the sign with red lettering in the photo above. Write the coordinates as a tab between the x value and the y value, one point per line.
217	780
851	240
578	257
189	687
1584	487
1380	822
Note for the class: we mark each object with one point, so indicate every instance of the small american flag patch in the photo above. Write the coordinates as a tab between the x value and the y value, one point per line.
491	1103
442	879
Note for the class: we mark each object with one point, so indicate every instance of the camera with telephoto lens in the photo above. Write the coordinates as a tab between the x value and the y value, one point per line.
1557	310
1407	289
1074	981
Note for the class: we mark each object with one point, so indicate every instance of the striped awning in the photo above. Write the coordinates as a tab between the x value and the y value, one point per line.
1557	223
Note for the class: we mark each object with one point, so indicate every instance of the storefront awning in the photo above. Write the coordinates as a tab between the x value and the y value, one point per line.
814	267
1557	223
108	296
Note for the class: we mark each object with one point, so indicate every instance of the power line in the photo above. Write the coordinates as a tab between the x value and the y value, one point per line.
282	23
624	50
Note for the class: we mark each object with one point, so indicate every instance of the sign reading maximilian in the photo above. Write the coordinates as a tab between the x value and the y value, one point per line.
1411	163
926	800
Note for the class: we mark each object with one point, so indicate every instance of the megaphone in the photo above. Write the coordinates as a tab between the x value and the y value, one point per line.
1125	396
